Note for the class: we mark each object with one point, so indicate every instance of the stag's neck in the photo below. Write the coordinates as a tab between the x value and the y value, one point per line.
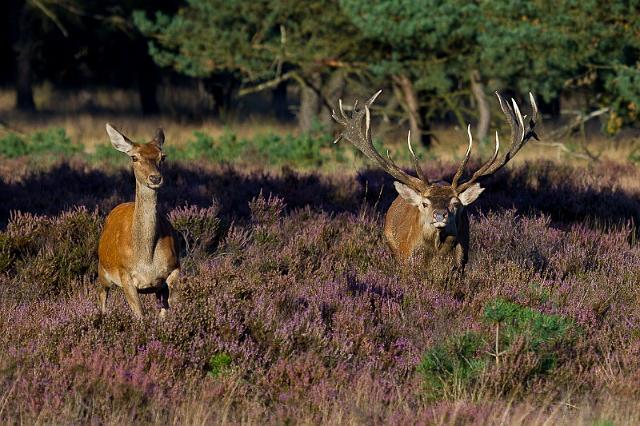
145	223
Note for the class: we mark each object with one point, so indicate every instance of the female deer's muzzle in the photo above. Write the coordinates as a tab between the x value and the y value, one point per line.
155	180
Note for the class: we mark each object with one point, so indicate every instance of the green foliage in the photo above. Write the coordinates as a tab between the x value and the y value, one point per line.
310	149
538	328
50	141
435	44
456	361
227	148
542	333
106	153
206	37
12	146
305	150
603	422
462	359
219	364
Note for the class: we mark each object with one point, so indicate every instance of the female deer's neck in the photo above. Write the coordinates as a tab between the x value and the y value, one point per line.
145	223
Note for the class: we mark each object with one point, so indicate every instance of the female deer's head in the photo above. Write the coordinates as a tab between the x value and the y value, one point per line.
146	158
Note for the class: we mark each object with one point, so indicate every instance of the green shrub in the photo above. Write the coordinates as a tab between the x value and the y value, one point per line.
108	154
225	149
54	141
50	141
219	364
455	362
12	146
460	360
542	332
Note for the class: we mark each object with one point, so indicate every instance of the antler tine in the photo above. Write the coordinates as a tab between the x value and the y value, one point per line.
361	138
520	135
414	159
373	98
463	164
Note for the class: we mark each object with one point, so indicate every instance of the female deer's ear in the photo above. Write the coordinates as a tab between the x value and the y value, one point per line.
118	140
158	139
408	194
470	194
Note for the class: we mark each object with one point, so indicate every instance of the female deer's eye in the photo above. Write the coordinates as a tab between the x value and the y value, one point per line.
134	158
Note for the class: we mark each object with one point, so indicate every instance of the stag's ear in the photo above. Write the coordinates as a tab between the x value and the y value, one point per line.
470	194
118	140
408	194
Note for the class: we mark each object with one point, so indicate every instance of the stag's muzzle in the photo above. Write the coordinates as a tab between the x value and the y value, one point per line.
440	218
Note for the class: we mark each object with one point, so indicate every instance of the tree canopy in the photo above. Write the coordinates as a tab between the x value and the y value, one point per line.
441	59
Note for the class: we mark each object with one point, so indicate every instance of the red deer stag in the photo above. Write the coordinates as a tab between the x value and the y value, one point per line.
137	249
431	216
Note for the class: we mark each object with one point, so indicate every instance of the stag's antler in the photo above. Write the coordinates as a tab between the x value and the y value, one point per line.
520	135
353	132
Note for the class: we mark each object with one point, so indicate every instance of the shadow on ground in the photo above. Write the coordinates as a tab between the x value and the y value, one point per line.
567	195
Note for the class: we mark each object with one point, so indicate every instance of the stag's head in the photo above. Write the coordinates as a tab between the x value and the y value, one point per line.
440	203
146	159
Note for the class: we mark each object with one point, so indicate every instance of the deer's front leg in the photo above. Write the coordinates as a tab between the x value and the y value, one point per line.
171	291
131	294
460	258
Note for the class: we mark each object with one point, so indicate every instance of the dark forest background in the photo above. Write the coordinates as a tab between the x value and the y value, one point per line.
439	61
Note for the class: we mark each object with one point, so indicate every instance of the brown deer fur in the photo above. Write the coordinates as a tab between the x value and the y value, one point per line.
137	249
431	217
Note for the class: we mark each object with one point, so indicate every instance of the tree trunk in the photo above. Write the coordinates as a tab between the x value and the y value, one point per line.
24	48
222	88
280	102
310	103
551	108
147	85
412	108
484	112
332	91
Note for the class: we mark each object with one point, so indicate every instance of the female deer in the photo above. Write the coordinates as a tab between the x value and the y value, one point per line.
137	249
431	216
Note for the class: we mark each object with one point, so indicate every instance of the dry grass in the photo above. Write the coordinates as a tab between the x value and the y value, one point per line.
83	114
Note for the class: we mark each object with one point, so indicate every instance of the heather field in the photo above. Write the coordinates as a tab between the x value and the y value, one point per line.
292	309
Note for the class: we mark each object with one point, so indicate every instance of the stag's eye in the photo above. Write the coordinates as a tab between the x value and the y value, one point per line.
162	158
455	202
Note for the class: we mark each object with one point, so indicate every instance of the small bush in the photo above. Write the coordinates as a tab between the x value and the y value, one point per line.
225	149
219	364
51	141
542	333
12	146
108	154
450	368
46	256
198	226
452	364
